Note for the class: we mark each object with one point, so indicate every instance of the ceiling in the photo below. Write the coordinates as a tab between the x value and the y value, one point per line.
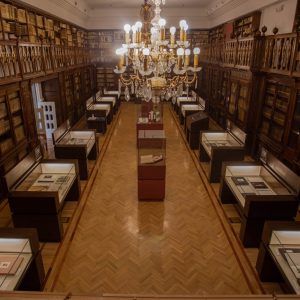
137	3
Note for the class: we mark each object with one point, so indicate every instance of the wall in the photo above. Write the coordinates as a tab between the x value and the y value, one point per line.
280	15
108	18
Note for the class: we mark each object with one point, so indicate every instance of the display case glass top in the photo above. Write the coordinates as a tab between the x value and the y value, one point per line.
106	99
105	107
47	177
285	248
15	257
79	138
152	156
185	99
112	92
191	107
218	139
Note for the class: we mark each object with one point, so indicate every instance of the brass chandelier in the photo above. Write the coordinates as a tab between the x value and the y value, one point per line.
156	67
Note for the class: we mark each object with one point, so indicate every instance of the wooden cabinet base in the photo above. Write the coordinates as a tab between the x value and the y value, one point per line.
99	124
151	190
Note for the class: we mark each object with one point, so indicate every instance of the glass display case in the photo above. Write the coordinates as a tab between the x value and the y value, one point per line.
152	168
279	255
150	113
285	249
188	109
37	190
15	258
75	144
151	138
112	100
184	100
219	146
263	191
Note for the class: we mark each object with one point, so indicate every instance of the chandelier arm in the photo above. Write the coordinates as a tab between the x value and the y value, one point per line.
192	81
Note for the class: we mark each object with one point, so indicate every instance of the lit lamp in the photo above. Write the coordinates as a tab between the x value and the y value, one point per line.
146	53
127	29
182	25
187	54
196	57
185	28
138	26
162	24
180	53
134	34
120	52
172	32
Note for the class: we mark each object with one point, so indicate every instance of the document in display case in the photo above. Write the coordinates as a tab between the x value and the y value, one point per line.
98	115
75	144
37	190
21	265
151	172
265	190
219	146
279	254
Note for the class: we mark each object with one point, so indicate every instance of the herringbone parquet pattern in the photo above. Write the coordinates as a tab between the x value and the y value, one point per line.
124	246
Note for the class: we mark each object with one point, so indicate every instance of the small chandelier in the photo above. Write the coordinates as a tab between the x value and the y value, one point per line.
156	67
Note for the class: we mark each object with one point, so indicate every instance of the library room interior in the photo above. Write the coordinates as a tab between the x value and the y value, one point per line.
150	149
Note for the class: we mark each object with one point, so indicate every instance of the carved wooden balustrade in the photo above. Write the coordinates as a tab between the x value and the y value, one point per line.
278	53
70	56
229	53
48	60
9	66
31	59
244	53
58	55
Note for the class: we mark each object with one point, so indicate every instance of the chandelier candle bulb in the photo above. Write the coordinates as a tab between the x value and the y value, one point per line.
127	29
162	23
186	27
196	57
180	53
182	25
187	54
172	32
134	34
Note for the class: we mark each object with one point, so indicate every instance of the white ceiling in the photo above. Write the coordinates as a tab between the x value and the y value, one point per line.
137	3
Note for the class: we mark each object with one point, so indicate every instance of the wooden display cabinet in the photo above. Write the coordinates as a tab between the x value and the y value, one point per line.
76	144
22	244
265	190
37	192
151	165
97	115
278	257
217	147
189	109
111	100
194	124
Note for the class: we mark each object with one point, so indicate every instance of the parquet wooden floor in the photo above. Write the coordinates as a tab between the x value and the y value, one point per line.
122	246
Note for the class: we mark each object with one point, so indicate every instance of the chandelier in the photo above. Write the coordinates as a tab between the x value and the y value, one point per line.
150	65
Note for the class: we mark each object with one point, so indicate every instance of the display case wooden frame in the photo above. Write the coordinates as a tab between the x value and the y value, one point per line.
271	265
152	167
189	109
84	146
32	278
96	118
217	147
194	124
30	205
183	100
267	191
112	100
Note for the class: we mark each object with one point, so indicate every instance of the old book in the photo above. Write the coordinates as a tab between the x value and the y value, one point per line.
9	264
239	180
